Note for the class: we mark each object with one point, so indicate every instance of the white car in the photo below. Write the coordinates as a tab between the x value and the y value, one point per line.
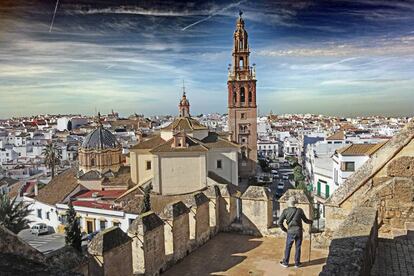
280	186
285	177
39	228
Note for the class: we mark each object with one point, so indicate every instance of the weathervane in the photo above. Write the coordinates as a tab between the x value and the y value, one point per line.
240	13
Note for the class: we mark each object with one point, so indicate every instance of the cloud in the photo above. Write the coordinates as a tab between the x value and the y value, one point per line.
403	45
230	6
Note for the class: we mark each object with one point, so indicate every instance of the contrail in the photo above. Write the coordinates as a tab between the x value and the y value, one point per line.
213	14
54	14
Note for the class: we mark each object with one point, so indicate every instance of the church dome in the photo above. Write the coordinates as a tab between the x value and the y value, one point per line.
100	138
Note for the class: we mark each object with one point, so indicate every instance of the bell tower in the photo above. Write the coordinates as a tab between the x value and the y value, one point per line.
184	105
242	108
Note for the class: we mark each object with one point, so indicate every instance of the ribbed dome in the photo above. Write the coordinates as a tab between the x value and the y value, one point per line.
100	138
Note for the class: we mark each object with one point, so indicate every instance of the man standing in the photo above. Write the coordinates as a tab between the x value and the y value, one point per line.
293	217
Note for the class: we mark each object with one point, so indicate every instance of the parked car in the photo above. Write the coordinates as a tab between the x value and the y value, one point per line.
39	228
285	177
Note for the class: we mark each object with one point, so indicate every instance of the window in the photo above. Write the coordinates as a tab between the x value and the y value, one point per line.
39	213
242	95
116	224
131	220
250	97
348	166
93	162
219	164
149	162
102	224
241	63
234	97
48	215
243	115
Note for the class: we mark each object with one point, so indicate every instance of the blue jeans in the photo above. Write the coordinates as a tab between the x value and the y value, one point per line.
297	238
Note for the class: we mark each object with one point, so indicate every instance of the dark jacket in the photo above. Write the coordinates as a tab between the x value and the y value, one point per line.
293	217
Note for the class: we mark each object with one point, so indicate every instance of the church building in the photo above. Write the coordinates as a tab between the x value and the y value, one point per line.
242	108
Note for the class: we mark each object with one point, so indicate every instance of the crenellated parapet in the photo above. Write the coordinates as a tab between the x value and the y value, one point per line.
155	242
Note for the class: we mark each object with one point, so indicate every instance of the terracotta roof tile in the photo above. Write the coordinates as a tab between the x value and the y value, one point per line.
360	149
58	188
339	135
150	143
185	123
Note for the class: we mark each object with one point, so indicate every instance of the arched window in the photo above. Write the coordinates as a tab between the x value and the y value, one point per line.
234	97
242	96
241	63
92	161
241	44
250	96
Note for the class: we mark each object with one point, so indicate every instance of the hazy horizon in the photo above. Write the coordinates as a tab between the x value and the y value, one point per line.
335	58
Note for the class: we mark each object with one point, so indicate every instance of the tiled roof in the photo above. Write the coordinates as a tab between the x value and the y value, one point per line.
92	204
213	140
150	143
339	135
100	138
185	123
360	149
101	194
58	188
193	146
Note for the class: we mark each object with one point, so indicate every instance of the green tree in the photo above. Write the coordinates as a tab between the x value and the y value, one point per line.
13	215
146	206
69	126
73	233
298	175
52	156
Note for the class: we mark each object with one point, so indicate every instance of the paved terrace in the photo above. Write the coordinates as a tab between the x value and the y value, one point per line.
233	254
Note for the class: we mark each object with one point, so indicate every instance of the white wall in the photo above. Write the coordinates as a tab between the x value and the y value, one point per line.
229	170
179	174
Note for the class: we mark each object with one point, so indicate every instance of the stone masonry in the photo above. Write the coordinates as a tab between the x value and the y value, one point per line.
148	246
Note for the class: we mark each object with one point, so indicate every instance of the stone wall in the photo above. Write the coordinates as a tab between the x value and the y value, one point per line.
110	253
148	245
383	182
161	240
353	247
10	243
257	210
177	231
199	220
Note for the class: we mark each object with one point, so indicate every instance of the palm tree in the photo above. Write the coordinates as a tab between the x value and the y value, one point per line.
52	156
13	215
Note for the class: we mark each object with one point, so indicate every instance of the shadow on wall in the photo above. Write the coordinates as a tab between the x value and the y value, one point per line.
223	257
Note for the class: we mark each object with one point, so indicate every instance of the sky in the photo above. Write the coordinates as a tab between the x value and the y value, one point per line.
345	58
